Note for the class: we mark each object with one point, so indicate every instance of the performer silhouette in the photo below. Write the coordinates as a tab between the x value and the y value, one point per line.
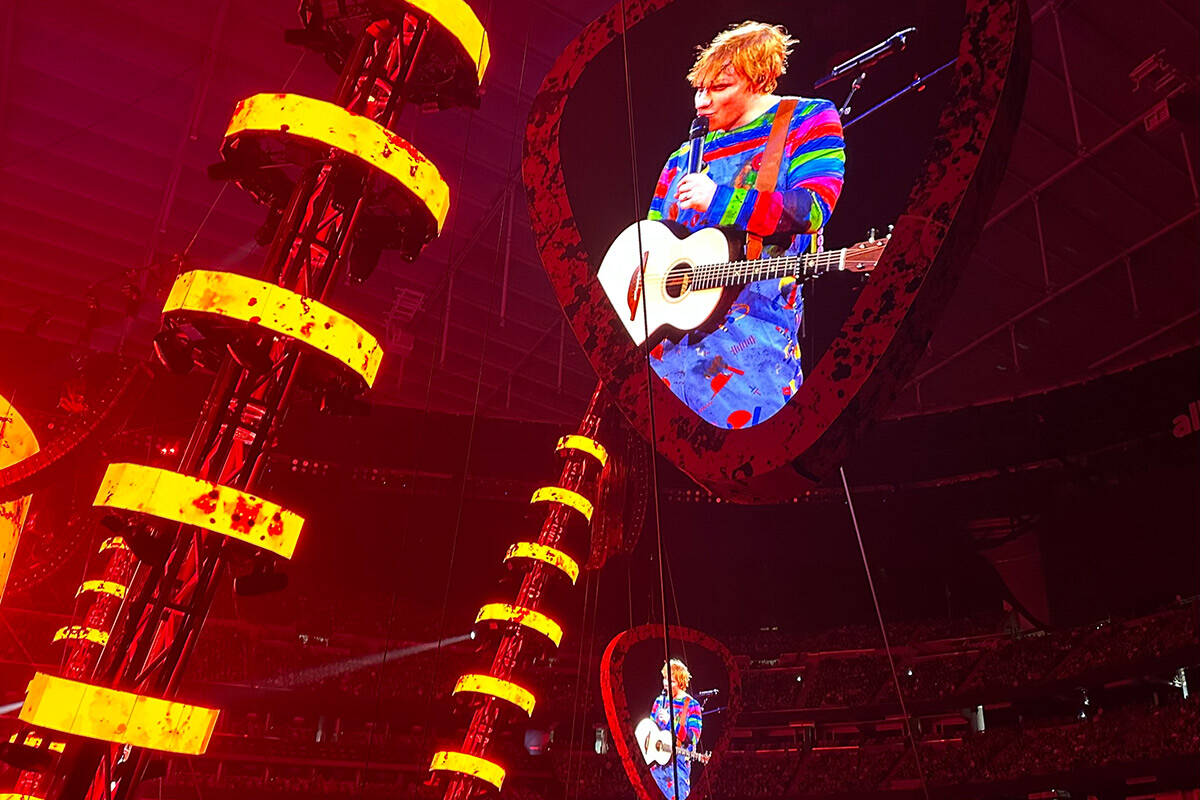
687	726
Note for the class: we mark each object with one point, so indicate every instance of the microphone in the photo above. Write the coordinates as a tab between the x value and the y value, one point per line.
708	693
893	44
696	143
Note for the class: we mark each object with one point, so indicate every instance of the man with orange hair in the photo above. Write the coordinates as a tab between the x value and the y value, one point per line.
688	723
773	168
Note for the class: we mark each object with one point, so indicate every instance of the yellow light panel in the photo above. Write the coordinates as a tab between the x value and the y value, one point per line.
458	18
508	691
113	543
585	444
80	632
114	716
220	509
549	555
464	764
294	115
17	442
534	620
279	310
16	796
557	494
117	590
32	740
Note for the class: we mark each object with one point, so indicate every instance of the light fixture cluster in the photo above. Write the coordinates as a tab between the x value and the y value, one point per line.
340	186
542	559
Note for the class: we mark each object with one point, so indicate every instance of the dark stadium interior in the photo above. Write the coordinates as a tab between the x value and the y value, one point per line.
1029	505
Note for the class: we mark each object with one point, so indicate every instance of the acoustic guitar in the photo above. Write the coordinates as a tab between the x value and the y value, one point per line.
682	280
655	744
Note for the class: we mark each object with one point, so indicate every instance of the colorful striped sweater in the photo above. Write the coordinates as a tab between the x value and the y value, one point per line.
688	719
810	178
747	369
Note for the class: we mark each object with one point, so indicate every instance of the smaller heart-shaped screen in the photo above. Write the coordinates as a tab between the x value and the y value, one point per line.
705	699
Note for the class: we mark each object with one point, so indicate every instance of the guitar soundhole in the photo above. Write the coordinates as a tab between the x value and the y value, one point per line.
678	281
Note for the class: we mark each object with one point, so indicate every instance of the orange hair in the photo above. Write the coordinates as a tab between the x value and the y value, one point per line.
679	673
756	51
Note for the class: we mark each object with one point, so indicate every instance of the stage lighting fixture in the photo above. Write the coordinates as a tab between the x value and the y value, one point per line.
251	353
536	742
115	523
261	580
319	41
146	545
24	757
340	400
174	349
1180	681
370	240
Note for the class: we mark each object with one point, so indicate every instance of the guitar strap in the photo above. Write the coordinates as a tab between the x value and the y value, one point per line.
768	169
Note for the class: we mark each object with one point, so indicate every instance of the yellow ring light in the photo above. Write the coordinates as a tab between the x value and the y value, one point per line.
293	115
534	620
278	310
465	764
547	555
192	501
508	691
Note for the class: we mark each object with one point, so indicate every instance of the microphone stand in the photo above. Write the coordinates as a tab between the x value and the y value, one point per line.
917	84
844	108
897	42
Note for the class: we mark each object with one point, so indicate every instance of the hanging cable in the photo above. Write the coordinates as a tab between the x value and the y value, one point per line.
675	603
572	760
212	206
654	487
883	630
588	635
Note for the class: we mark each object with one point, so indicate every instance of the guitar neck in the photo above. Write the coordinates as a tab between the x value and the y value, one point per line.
735	273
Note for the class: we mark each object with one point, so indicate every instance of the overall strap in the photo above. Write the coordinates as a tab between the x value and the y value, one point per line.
768	170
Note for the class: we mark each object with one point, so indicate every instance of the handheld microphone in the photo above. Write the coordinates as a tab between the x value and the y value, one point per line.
893	44
696	143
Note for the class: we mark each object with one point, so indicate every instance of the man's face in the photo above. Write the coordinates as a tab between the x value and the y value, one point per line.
725	100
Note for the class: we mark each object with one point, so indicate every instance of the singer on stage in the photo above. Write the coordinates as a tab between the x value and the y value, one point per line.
687	727
772	166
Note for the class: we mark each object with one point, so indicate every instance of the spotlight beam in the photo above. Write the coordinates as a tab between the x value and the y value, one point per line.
307	677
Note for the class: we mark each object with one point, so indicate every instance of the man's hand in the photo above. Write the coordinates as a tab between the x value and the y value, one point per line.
696	192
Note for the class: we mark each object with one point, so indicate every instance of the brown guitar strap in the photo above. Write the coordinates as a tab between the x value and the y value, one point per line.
768	169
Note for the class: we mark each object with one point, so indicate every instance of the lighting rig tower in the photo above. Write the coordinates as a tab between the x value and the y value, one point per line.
544	560
340	186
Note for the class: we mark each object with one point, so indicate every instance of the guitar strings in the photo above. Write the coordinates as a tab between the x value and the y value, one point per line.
767	264
763	269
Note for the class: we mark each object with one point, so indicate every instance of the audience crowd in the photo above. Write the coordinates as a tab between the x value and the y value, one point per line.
311	755
1129	736
977	667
